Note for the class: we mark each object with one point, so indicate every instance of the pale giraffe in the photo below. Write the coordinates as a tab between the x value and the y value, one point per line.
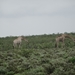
62	39
17	42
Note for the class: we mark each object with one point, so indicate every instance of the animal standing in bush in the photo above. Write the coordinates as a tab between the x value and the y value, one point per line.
18	41
62	38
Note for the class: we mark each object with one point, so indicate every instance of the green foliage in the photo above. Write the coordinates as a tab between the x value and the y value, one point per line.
72	59
2	70
38	56
26	53
10	73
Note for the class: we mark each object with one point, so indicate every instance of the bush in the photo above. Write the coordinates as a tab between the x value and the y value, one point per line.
71	60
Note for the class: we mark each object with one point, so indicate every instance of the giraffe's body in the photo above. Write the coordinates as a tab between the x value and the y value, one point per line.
17	42
62	38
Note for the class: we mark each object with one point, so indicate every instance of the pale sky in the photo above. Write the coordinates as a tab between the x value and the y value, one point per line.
36	17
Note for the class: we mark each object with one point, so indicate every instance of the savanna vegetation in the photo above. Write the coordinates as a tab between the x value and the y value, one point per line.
38	56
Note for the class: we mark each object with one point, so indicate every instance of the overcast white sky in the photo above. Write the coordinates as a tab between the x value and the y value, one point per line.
35	17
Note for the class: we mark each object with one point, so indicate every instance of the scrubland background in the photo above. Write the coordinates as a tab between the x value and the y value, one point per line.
38	56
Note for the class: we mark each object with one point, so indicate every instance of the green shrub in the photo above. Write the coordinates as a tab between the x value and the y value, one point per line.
10	73
3	70
72	60
27	53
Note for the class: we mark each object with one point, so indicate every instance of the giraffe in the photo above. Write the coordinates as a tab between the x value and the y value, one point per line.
18	41
62	38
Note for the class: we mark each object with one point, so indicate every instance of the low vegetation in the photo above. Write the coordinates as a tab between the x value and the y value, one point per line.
38	56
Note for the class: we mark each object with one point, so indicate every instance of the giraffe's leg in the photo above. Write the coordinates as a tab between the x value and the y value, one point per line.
57	44
63	44
19	45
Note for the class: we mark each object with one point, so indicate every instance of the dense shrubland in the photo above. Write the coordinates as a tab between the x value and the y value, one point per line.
38	56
